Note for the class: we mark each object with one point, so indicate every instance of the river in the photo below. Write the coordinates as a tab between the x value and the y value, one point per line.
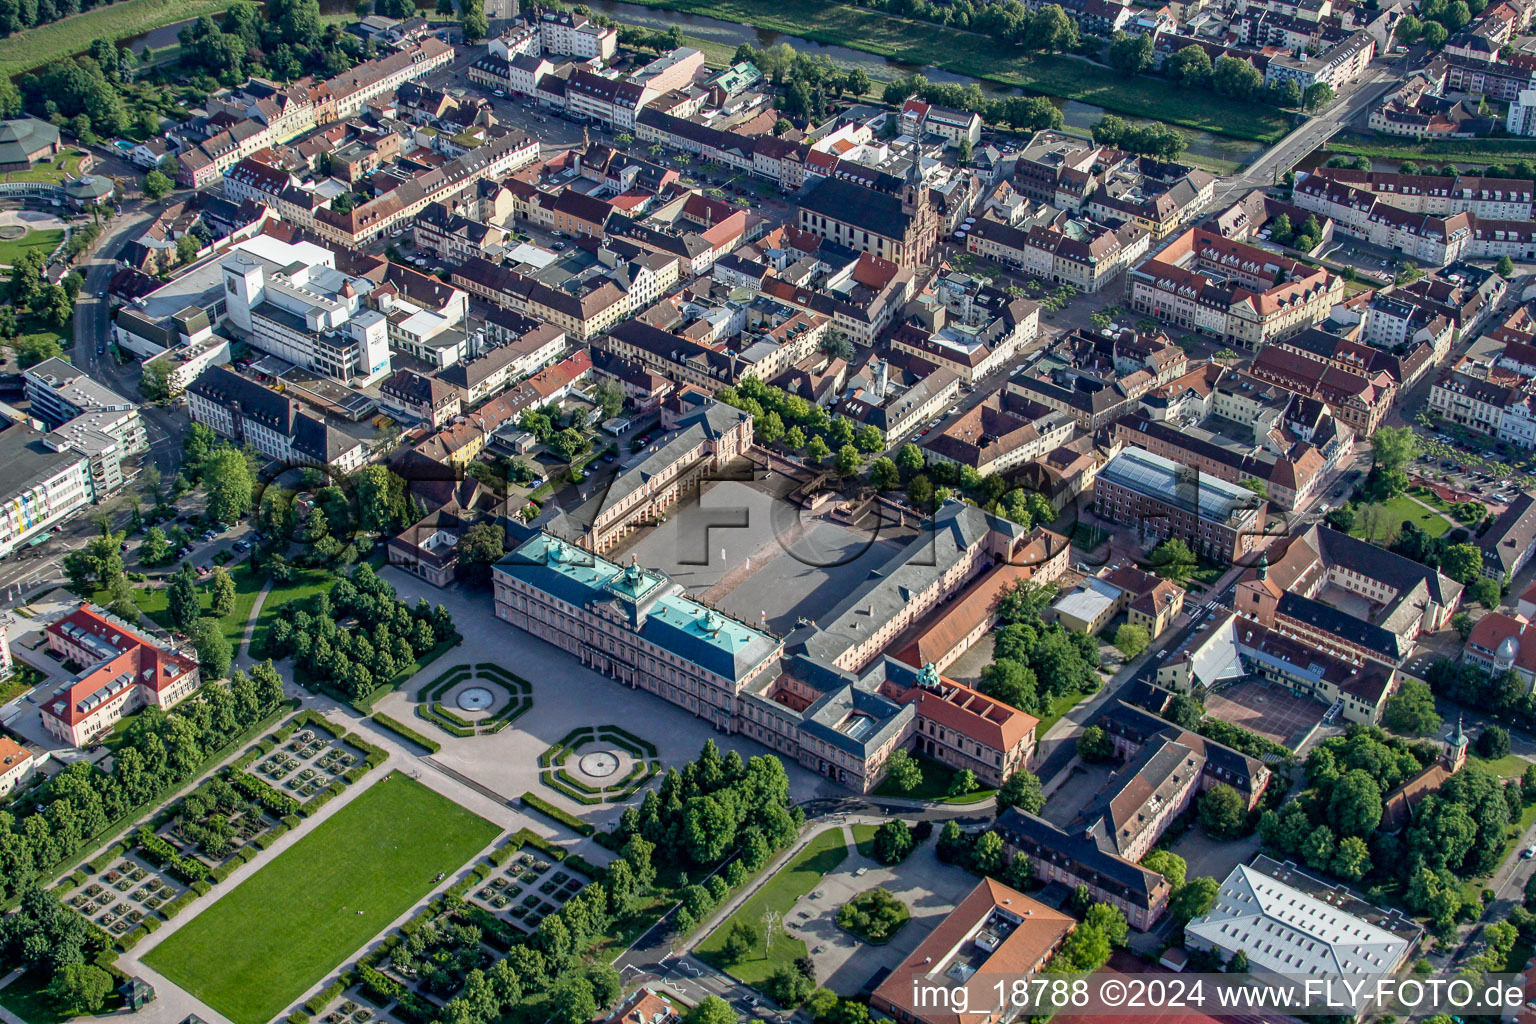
1077	115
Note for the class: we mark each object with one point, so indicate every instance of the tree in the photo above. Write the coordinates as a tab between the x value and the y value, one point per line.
1408	29
1492	743
1129	54
1022	790
1462	563
884	475
472	21
788	986
1317	96
903	770
1172	560
181	599
1505	267
482	545
963	152
1352	859
848	460
228	480
154	547
1132	640
1189	66
1168	864
964	782
223	590
186	248
1411	711
1354	807
571	1000
156	186
1485	591
214	653
1222	811
893	841
80	988
816	450
987	854
711	1010
738	941
1193	898
1094	744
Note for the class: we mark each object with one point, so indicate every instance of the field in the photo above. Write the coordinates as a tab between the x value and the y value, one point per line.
1398	511
36	46
256	950
46	240
970	53
781	892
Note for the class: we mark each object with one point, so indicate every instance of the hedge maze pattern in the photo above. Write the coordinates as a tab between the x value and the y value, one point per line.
555	775
430	704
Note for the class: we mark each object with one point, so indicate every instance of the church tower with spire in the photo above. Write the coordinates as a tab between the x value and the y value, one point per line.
1456	748
922	236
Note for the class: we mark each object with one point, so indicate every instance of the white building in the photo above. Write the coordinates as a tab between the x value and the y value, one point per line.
1522	114
1287	922
289	299
275	425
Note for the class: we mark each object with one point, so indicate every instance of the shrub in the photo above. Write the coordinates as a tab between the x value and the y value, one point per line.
406	732
554	813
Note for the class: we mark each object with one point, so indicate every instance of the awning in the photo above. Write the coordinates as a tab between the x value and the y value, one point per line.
41	538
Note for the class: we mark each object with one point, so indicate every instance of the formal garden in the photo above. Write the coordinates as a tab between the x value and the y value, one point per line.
474	700
198	841
597	764
253	952
529	888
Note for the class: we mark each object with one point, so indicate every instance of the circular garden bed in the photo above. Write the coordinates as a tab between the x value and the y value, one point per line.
598	764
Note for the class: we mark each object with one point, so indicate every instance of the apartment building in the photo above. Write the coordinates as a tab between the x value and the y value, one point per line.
1071	250
275	425
124	671
583	308
1236	293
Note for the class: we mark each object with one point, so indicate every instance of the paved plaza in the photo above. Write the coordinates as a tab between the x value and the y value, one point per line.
929	888
759	557
566	696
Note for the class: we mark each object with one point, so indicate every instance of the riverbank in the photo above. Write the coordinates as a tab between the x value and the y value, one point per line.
968	53
35	47
1461	151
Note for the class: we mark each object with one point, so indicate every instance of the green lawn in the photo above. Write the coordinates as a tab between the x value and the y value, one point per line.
824	852
154	601
39	45
65	165
1398	511
1465	152
47	240
1510	766
1059	708
306	583
970	53
934	787
251	954
864	839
